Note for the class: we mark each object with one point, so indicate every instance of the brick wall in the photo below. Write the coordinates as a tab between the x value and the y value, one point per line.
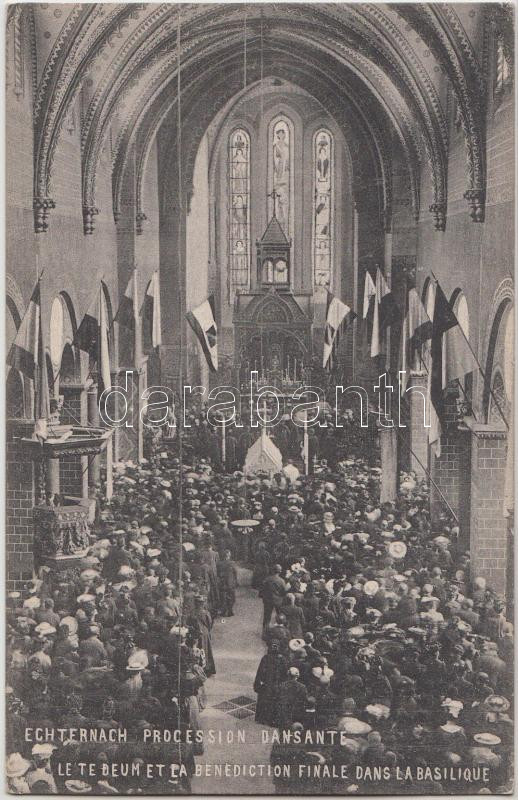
19	520
489	535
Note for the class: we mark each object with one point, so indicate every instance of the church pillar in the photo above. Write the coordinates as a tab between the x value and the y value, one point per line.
417	432
94	465
389	465
172	238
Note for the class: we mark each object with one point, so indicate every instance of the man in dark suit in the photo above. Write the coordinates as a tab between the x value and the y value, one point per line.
272	594
227	576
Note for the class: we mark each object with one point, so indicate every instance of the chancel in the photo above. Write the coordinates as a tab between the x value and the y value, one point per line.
309	207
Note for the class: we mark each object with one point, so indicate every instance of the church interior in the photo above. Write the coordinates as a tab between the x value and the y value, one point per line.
270	157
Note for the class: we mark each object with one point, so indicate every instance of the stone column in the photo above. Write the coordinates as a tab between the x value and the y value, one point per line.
94	466
489	526
52	477
389	470
418	433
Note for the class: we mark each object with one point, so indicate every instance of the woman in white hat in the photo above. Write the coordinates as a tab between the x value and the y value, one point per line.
16	768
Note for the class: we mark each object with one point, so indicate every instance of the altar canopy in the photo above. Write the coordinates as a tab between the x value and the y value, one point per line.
263	456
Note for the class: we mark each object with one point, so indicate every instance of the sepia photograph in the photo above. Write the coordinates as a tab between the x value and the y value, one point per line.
259	395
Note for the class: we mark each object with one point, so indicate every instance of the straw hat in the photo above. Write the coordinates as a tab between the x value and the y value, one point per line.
137	661
44	629
44	750
16	765
397	549
370	588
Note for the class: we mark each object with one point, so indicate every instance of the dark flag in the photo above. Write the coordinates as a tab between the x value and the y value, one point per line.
443	320
202	320
87	336
92	338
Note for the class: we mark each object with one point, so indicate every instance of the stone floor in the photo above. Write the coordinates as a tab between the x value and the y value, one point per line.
238	648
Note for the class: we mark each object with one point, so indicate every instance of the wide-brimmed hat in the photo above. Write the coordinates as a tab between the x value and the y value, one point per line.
137	661
397	549
78	787
44	750
16	765
296	644
370	588
45	629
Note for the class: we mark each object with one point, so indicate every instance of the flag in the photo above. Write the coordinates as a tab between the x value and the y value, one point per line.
87	336
150	312
337	313
416	330
459	358
128	308
41	392
103	360
369	293
385	312
23	354
443	320
92	337
203	322
27	355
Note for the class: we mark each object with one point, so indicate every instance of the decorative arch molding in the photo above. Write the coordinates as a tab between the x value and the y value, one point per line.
61	80
439	176
15	295
373	130
275	308
362	38
448	43
405	132
502	299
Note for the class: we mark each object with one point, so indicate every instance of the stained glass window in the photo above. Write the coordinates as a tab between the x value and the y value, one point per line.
323	208
239	207
281	174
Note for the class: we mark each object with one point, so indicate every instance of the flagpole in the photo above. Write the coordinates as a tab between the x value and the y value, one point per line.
306	444
224	442
479	366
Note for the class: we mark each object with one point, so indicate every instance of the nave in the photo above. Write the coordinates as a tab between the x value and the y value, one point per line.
238	648
369	626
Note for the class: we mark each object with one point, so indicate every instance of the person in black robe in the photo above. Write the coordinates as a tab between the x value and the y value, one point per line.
270	674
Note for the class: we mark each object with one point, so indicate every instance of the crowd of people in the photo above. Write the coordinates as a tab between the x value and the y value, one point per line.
372	625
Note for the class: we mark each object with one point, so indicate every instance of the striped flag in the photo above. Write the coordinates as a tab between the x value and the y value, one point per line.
203	322
369	293
27	355
337	315
385	312
127	312
24	352
150	312
417	329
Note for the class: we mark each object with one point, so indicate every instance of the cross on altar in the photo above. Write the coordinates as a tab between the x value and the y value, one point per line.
274	195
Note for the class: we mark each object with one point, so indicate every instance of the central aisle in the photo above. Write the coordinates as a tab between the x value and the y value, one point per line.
238	648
